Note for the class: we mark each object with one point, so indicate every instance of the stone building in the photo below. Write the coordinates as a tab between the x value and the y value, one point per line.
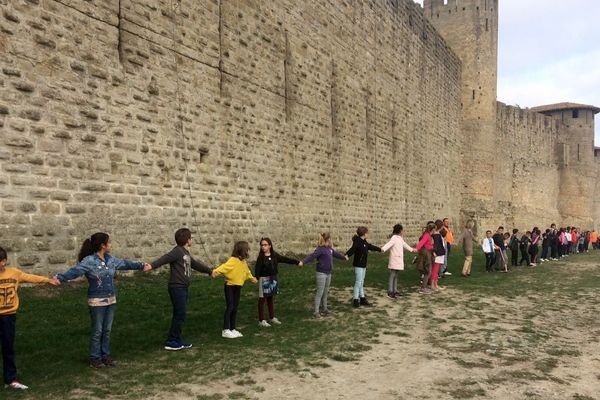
244	119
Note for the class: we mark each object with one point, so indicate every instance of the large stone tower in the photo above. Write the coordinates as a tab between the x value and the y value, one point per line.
576	162
470	27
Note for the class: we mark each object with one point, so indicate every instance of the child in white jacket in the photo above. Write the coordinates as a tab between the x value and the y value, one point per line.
396	245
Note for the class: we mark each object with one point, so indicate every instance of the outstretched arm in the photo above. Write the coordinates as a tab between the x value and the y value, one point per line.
352	249
74	272
249	276
311	257
223	268
30	278
165	259
407	247
286	260
123	264
201	267
388	245
339	255
423	242
373	247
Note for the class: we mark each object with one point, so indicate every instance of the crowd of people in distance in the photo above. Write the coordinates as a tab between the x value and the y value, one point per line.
555	243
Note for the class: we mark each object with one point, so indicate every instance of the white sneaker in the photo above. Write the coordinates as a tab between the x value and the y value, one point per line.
275	321
236	333
264	324
17	386
447	273
228	334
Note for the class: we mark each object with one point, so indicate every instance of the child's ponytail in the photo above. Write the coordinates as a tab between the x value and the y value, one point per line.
92	245
397	230
325	239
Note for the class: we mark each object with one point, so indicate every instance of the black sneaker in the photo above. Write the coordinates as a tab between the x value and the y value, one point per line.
173	345
96	363
109	362
185	345
364	302
355	303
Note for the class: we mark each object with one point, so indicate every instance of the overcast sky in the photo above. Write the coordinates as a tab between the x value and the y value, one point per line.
549	52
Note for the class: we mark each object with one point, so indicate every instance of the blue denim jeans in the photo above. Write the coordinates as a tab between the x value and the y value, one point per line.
545	252
359	282
102	319
179	298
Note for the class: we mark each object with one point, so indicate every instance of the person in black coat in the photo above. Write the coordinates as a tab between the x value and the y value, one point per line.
360	249
266	272
498	252
513	245
524	246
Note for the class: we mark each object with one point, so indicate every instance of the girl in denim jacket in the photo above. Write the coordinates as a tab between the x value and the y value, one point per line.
99	267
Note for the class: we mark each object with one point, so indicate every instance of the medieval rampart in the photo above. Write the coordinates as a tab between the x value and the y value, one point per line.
286	118
526	178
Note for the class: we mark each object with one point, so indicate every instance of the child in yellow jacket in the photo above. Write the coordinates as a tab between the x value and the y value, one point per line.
10	278
236	273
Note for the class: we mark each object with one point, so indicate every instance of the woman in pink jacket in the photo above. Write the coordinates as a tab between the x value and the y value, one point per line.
396	245
425	248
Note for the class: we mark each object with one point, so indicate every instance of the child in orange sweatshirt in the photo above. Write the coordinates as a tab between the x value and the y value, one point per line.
10	278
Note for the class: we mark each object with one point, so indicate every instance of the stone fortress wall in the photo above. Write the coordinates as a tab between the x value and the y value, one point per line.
248	118
527	176
287	118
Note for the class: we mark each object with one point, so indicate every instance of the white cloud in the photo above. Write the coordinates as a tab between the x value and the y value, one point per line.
574	79
549	53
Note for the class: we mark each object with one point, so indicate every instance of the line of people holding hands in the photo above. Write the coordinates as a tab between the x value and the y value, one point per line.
96	263
99	266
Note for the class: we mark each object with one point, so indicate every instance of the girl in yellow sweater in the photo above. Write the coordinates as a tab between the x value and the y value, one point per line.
236	273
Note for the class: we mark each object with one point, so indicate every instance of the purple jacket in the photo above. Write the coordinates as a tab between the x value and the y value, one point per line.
324	256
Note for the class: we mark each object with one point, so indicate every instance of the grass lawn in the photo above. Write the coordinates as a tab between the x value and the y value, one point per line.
53	328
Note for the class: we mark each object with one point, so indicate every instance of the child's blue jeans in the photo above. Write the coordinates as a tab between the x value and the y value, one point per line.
544	252
359	282
102	319
179	298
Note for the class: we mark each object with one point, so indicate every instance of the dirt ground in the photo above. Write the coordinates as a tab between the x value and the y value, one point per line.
451	345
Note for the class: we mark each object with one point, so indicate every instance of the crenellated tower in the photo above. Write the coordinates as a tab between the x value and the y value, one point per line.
470	27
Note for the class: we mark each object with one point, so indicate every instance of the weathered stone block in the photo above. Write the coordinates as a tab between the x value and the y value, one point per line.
50	208
27	207
59	257
28	259
75	209
18	141
95	187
